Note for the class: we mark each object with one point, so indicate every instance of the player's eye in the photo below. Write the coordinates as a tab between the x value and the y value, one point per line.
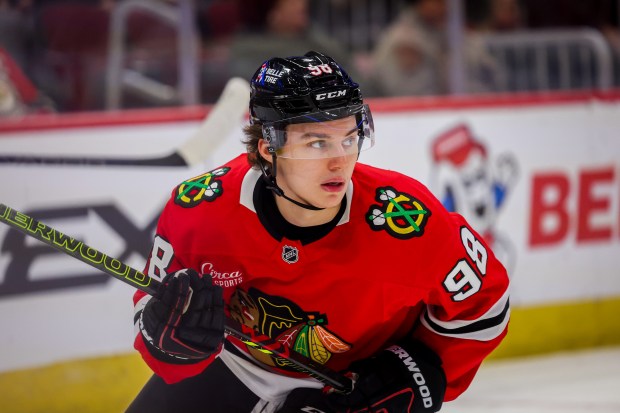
349	142
318	144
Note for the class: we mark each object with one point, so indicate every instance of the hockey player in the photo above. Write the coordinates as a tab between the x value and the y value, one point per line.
357	268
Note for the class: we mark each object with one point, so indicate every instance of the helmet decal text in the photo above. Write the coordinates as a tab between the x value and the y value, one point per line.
320	69
331	95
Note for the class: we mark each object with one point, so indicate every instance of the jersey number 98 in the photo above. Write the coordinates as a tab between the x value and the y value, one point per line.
463	280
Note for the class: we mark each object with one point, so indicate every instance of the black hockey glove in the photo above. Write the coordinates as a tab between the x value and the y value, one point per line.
397	380
184	321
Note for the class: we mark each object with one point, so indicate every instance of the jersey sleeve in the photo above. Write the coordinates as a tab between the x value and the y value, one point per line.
467	311
163	260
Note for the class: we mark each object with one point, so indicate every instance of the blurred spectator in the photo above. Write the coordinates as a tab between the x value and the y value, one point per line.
410	56
505	16
494	16
484	74
279	28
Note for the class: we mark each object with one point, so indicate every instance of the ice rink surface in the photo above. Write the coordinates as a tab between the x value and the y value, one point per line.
573	382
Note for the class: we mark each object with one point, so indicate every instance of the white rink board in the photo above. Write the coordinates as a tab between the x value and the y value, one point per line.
571	145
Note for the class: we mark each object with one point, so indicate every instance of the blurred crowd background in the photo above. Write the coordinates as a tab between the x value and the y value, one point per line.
88	55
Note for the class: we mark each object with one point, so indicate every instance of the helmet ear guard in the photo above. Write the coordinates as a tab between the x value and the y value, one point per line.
269	134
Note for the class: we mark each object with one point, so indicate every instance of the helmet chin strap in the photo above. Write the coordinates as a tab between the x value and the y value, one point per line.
273	185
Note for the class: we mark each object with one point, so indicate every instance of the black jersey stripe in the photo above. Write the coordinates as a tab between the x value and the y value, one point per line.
478	325
136	316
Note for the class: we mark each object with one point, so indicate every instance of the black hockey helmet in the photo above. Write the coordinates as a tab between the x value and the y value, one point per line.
308	88
287	87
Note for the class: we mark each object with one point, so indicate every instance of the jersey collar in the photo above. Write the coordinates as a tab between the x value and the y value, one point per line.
256	197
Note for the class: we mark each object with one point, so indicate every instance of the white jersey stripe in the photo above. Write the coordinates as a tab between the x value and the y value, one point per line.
137	310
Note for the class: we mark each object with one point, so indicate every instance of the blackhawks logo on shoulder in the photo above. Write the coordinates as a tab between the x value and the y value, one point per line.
400	214
204	187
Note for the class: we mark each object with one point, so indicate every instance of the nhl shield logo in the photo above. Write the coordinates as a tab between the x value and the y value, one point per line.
290	254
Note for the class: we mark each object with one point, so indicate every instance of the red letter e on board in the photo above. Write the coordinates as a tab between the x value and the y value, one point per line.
589	204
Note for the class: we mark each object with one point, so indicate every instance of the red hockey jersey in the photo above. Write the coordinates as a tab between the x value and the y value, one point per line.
396	264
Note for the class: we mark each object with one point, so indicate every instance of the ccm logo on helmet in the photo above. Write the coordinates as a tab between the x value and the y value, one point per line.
331	95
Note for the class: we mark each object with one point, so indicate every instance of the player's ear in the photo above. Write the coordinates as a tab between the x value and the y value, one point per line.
263	150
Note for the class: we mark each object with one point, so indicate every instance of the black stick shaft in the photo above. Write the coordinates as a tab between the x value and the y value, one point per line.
141	281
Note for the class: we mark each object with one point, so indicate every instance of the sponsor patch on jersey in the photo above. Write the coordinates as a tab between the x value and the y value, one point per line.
225	279
205	187
285	322
399	214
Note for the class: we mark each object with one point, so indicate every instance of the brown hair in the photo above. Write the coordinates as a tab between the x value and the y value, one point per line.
253	134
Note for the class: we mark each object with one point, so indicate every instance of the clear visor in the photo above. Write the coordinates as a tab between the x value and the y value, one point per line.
328	134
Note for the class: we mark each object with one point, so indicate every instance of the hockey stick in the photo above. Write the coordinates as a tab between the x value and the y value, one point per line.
119	270
221	120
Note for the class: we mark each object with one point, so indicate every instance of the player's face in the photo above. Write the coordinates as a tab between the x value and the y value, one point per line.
321	177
